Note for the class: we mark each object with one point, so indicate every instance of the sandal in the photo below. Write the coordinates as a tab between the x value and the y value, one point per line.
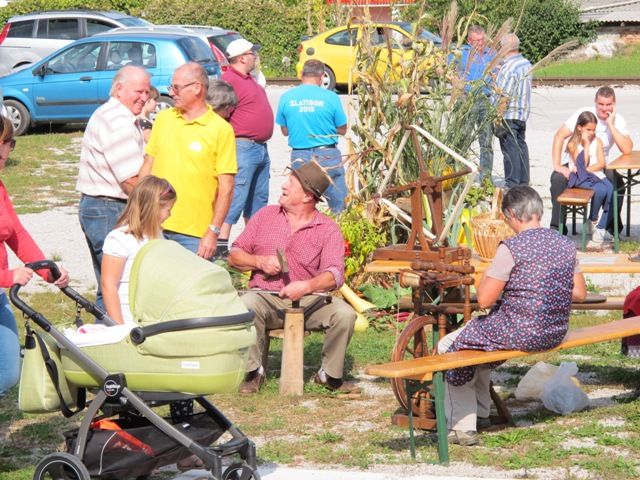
191	462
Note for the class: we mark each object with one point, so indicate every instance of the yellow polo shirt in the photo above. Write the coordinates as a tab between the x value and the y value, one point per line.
191	155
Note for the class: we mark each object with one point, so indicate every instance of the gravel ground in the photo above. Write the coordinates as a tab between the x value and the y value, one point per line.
59	235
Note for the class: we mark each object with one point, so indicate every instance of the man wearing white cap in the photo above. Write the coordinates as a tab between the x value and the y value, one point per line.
252	122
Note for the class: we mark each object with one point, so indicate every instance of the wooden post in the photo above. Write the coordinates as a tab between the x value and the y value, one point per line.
292	369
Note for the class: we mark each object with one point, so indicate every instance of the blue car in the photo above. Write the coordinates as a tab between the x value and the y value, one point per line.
70	84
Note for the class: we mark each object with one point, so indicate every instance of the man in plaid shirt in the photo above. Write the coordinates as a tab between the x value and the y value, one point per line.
314	249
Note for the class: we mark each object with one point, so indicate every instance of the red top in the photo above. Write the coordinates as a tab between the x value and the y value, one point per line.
311	250
253	117
12	233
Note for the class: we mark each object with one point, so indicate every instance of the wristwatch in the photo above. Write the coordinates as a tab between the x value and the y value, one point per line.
214	229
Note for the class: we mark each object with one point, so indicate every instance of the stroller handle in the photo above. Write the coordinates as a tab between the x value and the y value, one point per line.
21	305
70	292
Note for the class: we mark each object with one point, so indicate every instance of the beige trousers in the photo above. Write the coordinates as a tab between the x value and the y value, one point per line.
335	319
464	404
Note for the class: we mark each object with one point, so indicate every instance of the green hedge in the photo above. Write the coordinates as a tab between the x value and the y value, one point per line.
270	23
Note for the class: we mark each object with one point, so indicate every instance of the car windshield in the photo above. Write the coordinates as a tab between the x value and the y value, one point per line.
133	22
223	41
422	33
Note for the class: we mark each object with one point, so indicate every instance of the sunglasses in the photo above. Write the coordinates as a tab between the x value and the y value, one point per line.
169	191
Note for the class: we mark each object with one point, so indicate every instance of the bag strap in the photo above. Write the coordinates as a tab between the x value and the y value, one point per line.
52	369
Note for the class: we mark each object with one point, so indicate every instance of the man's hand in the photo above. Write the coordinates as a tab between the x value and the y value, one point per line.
22	275
269	264
207	245
611	119
294	291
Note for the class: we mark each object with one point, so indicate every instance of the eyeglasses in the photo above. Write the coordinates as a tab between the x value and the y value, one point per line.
179	88
251	52
11	143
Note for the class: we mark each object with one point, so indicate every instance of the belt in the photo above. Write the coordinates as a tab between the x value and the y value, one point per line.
107	199
319	147
250	140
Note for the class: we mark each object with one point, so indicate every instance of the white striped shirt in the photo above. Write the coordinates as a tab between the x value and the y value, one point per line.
112	151
514	82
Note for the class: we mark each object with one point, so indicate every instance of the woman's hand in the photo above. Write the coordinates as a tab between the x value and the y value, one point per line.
585	139
22	275
63	280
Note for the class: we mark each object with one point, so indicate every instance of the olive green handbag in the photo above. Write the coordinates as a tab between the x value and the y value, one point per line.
43	387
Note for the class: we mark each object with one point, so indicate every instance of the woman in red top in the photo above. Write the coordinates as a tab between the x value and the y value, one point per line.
13	234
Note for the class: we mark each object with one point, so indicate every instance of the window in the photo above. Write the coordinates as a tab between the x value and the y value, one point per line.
196	50
97	26
59	28
81	58
120	54
21	29
343	37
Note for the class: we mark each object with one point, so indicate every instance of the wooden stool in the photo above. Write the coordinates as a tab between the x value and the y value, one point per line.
574	201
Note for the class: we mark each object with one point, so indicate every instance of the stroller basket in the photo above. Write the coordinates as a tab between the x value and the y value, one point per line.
132	446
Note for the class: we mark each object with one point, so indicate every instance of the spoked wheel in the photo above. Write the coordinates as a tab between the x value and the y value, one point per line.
61	466
240	471
413	343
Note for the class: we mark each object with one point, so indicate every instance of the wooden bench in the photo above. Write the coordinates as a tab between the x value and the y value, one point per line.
431	368
574	201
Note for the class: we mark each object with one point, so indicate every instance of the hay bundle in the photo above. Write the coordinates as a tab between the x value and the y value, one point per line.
489	229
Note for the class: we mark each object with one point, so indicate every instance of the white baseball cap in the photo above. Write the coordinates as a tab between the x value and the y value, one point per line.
240	46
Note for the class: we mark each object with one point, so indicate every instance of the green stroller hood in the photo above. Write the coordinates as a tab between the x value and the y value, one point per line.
168	282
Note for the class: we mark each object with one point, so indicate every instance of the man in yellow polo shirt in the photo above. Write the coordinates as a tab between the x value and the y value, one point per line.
193	148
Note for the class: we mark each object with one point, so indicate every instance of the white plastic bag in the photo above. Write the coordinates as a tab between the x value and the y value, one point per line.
531	385
561	395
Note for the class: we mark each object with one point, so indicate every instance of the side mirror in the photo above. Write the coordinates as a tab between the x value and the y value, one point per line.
40	71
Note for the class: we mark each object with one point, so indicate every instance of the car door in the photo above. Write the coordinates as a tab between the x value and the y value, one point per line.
389	62
66	87
339	53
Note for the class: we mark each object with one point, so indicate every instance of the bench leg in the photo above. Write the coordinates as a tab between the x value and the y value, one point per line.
441	420
615	219
584	228
501	407
561	212
574	210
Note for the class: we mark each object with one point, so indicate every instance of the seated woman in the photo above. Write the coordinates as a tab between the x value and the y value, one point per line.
529	287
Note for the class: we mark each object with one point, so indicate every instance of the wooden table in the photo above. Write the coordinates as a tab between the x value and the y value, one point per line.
597	263
627	162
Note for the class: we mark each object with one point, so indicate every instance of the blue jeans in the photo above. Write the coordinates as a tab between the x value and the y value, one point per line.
515	153
331	160
479	112
602	196
251	183
98	216
9	347
187	241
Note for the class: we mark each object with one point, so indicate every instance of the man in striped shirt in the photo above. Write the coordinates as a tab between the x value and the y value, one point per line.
513	100
110	159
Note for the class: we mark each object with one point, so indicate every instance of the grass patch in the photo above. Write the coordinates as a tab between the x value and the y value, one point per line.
625	63
325	429
41	172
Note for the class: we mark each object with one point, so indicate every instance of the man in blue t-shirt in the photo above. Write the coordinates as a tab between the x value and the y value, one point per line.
472	67
313	118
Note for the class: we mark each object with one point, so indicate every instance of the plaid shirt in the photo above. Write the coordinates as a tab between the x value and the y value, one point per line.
311	250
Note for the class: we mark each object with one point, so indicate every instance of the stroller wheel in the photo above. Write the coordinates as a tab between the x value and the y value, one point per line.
240	471
61	466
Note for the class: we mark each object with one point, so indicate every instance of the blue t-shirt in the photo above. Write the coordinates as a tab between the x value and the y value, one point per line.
472	66
312	115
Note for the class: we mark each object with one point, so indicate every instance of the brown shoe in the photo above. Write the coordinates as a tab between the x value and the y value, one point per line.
335	384
252	382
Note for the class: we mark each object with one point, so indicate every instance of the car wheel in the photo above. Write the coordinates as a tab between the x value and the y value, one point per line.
328	79
163	103
19	116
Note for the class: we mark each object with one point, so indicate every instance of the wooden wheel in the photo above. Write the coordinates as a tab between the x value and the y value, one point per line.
413	342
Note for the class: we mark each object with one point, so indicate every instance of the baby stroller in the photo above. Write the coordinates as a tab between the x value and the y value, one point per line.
191	339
